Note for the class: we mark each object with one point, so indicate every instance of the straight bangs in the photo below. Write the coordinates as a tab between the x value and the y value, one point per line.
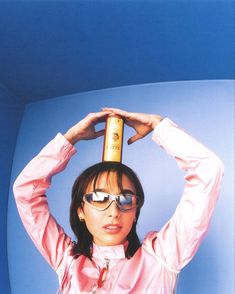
119	169
119	174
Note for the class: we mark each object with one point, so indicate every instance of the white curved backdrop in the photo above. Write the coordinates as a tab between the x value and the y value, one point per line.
204	108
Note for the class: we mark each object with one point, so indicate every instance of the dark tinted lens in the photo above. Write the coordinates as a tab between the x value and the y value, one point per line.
127	201
97	199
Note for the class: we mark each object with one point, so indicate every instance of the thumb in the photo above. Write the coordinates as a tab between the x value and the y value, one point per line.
134	138
99	133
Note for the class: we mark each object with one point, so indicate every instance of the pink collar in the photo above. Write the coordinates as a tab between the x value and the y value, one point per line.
110	252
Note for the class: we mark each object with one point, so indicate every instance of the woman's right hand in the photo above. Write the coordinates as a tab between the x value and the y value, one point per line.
142	123
85	129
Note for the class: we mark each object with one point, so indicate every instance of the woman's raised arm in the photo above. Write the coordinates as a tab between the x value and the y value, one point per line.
30	189
177	242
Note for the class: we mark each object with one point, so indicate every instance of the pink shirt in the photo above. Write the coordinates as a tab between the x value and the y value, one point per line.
155	266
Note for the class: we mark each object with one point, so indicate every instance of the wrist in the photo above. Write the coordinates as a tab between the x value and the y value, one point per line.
70	136
156	119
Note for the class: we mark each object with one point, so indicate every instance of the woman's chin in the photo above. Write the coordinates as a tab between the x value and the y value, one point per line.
110	242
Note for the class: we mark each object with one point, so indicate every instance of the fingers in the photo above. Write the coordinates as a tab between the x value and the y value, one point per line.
98	116
134	139
111	109
118	111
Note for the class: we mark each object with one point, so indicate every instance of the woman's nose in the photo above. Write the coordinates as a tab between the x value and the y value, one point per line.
113	210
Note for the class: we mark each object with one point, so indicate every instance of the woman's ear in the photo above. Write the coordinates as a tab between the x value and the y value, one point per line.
80	214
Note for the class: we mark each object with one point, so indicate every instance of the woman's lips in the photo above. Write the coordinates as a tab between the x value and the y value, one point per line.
112	228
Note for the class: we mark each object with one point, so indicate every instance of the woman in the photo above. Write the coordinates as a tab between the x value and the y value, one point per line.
106	202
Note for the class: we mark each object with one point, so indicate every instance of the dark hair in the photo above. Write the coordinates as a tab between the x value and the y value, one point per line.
84	238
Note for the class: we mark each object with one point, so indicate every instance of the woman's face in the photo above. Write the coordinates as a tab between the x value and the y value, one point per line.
111	226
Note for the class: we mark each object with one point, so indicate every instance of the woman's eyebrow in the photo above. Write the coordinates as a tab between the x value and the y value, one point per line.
101	190
125	191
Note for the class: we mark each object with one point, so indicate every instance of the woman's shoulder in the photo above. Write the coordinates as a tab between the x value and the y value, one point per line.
149	240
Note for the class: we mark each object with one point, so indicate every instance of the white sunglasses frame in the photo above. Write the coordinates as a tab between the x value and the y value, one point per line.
113	198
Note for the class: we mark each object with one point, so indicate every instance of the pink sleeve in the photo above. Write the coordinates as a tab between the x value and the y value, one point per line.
29	191
177	242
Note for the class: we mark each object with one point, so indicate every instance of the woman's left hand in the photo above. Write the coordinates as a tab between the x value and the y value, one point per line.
142	123
85	129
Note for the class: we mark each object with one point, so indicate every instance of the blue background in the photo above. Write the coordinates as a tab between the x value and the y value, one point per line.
203	108
52	48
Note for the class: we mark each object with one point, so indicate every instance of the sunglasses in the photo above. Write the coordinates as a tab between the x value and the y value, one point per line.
102	200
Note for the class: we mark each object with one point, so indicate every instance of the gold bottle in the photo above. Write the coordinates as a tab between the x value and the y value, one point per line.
113	138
